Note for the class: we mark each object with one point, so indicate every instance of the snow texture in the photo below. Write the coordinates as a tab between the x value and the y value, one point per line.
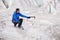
46	25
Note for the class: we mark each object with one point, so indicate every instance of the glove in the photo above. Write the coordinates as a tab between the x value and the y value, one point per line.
29	17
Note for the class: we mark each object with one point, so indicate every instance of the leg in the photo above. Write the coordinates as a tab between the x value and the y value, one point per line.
20	23
15	24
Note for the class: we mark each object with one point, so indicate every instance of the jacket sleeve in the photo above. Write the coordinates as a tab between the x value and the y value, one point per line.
23	15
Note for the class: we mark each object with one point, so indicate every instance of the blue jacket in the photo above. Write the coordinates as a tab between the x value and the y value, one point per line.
15	17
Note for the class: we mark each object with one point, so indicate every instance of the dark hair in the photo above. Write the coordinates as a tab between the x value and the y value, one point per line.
17	9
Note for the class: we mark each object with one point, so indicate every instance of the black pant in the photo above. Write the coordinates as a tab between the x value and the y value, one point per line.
19	24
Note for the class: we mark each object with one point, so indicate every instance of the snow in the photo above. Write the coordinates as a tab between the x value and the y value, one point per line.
46	25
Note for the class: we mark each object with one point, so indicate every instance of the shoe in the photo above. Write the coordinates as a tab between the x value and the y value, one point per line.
14	25
21	27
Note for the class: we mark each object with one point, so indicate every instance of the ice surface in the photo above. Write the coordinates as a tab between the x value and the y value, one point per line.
46	25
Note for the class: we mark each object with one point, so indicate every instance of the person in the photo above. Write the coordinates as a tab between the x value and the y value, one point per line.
16	18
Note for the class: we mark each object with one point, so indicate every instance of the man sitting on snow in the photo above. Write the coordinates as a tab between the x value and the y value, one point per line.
15	18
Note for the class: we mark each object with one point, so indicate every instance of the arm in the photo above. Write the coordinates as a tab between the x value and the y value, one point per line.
23	15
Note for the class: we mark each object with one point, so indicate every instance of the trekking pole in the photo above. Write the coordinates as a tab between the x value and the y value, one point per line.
33	17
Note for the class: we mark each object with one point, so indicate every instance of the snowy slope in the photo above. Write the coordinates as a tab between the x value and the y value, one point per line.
45	26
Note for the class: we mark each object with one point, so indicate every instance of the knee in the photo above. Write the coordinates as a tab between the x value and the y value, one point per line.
21	19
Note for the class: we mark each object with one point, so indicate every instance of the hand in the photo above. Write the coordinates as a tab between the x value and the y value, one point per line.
29	17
